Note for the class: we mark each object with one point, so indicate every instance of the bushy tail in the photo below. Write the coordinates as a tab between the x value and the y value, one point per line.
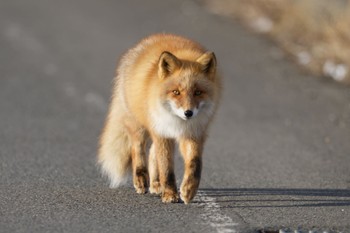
114	154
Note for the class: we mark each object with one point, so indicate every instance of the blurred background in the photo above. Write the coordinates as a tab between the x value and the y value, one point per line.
314	33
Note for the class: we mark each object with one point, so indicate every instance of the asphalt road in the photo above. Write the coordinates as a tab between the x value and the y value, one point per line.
278	155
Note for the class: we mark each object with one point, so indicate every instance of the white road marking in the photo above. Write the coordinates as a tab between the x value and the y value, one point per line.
213	216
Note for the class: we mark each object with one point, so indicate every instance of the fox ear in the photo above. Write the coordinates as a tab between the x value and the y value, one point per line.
167	64
208	62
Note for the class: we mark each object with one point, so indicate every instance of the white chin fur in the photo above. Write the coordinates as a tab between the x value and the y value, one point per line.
180	112
171	122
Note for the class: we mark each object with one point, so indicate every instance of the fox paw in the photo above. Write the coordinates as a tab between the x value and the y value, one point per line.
141	181
155	188
140	190
187	192
170	197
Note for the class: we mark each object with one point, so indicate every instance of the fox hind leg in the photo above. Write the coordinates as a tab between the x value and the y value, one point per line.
139	166
138	137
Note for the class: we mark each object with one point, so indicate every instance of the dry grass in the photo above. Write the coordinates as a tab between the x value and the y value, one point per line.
316	33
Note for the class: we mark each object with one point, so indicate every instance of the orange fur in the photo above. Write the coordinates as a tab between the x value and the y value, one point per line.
166	89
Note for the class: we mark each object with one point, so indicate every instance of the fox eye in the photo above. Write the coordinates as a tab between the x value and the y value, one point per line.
176	92
197	93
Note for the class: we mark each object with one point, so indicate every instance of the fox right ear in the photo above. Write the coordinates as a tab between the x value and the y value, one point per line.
208	61
167	64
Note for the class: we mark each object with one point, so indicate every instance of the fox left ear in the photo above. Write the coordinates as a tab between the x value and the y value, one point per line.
167	64
208	62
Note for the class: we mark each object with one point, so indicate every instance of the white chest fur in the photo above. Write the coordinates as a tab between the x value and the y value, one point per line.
166	124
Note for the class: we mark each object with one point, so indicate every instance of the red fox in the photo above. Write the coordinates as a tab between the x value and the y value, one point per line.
166	89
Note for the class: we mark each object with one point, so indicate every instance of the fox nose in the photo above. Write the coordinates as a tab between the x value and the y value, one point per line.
188	113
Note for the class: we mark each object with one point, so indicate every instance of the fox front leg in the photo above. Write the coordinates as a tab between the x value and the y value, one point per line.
164	149
191	151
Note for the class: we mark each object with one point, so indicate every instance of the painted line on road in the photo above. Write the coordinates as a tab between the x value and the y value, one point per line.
213	216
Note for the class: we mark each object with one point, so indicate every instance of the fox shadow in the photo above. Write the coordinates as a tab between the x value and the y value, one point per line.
275	197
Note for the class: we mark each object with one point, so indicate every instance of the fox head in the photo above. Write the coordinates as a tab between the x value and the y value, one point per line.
188	87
